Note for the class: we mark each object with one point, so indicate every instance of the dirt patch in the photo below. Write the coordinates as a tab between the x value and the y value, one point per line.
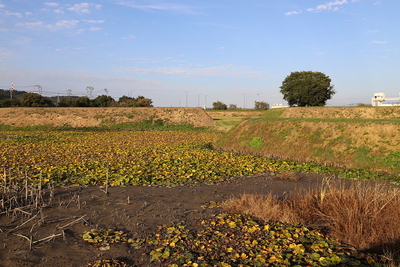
96	117
139	209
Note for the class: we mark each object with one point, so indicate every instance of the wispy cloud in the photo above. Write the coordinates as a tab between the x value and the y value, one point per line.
293	13
129	37
67	24
4	52
158	5
39	25
221	71
8	13
23	40
52	4
379	42
328	6
94	21
83	8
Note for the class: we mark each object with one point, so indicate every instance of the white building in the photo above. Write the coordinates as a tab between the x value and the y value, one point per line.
379	98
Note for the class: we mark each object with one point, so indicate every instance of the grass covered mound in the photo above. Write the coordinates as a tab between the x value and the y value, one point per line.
364	141
240	240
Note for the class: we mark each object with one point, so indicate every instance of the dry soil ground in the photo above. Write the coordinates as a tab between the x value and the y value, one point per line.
139	209
95	117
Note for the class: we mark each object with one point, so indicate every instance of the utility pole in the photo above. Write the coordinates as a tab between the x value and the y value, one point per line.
244	101
205	101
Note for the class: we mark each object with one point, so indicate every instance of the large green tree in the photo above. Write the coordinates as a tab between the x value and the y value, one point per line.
307	88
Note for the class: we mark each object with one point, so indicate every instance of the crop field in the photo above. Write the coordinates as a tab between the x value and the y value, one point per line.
129	158
119	158
53	158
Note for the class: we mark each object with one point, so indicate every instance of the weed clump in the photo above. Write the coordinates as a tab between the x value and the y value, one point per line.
362	214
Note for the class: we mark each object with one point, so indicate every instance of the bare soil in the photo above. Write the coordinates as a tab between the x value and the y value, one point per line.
96	117
139	209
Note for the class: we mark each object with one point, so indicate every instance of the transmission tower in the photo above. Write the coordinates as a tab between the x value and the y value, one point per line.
39	87
11	90
106	90
69	93
89	90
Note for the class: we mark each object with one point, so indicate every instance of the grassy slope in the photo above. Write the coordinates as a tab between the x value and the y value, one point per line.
348	137
228	119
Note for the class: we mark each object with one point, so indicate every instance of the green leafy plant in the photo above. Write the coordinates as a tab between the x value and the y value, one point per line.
240	240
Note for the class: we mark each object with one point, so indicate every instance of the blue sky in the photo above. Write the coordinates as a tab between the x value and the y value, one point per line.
236	51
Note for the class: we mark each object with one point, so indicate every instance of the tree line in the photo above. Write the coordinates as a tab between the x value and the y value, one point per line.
300	88
23	99
259	105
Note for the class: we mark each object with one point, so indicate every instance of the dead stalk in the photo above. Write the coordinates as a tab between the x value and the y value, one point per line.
19	226
74	222
31	242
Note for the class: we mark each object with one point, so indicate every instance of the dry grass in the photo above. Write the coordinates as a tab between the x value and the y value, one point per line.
291	176
365	215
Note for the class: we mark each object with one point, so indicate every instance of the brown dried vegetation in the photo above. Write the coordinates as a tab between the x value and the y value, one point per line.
363	214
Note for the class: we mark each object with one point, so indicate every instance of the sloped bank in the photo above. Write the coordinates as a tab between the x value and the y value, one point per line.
98	117
344	143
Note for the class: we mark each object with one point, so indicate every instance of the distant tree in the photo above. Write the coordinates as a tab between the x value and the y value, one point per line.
67	102
4	103
124	98
232	106
35	100
363	105
16	94
140	101
219	106
103	101
261	105
307	88
83	101
126	101
144	102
